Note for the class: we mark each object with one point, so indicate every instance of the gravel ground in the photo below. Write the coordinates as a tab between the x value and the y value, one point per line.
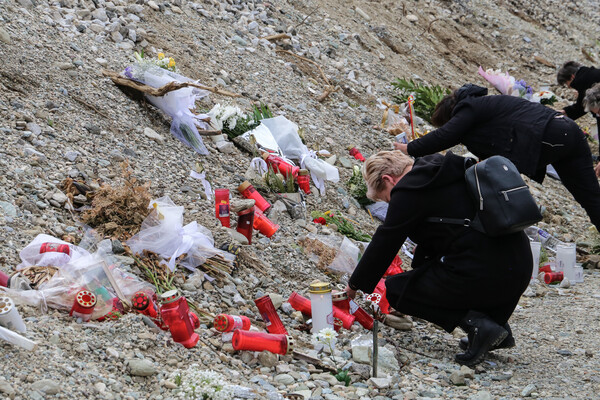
59	117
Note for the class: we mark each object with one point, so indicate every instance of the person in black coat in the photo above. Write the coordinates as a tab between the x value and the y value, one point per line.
459	277
529	134
574	75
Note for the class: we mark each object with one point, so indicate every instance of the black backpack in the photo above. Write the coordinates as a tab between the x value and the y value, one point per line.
504	203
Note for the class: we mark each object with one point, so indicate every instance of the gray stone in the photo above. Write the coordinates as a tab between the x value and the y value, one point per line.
141	367
237	205
277	299
116	37
225	147
381	383
284	379
60	198
267	359
100	14
26	3
483	395
457	378
387	362
345	162
528	390
467	372
47	386
8	209
150	133
4	36
412	18
6	388
153	5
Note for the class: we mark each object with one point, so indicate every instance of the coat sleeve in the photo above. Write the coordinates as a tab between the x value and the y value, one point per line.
576	109
445	137
387	240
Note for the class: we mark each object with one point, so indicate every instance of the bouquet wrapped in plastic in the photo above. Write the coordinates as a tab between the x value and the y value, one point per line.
177	104
508	85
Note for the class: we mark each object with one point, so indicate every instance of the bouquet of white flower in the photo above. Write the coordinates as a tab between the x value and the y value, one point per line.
197	384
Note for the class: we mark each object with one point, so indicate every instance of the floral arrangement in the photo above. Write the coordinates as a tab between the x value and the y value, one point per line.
234	122
508	85
197	384
544	97
327	337
426	97
358	187
160	61
344	225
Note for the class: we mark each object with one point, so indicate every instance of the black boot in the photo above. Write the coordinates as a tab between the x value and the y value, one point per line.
483	334
507	343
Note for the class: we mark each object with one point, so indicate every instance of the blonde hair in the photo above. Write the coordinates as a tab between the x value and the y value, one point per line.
592	98
391	163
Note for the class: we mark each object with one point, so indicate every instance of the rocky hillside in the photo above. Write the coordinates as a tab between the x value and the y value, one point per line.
61	118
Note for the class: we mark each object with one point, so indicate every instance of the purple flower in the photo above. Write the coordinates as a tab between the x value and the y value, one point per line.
128	72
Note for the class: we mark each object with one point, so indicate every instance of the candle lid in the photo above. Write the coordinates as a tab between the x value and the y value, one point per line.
170	296
245	185
290	344
265	155
303	172
6	304
86	299
339	296
319	287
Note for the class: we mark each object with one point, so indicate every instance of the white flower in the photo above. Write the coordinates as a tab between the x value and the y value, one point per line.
197	384
326	336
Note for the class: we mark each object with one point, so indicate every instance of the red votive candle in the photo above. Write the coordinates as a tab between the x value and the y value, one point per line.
269	315
263	224
260	341
83	306
228	323
553	277
280	165
247	190
222	206
304	181
177	316
245	223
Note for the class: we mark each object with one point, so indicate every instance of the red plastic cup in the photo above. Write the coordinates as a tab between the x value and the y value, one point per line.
247	190
269	315
304	181
260	341
84	304
553	277
177	316
354	152
280	165
222	206
263	224
228	323
55	247
245	223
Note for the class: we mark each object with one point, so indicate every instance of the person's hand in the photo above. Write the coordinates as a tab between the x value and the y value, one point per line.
563	112
402	147
351	293
597	170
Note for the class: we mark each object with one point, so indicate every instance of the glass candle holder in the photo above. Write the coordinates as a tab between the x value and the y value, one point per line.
535	252
321	306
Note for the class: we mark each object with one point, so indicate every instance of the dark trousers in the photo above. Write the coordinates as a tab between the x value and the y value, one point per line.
565	147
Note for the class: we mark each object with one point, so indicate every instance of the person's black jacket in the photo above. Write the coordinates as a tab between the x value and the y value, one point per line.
474	266
584	79
491	125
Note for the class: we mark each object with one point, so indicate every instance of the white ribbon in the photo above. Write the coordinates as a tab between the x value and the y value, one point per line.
205	183
318	181
259	165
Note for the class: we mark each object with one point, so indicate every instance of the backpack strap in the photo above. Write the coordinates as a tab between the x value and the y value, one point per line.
475	224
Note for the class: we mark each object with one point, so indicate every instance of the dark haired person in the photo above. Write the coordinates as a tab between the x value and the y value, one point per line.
459	277
529	134
576	76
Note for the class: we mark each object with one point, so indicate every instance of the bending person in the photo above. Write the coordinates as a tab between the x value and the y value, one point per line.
529	134
576	76
460	277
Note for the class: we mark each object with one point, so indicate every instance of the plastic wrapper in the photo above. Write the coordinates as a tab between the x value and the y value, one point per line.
392	119
16	339
47	250
286	135
177	104
85	272
162	232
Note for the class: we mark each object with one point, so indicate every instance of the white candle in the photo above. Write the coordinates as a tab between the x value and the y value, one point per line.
321	306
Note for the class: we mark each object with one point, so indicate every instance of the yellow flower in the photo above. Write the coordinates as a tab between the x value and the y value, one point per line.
161	56
171	63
